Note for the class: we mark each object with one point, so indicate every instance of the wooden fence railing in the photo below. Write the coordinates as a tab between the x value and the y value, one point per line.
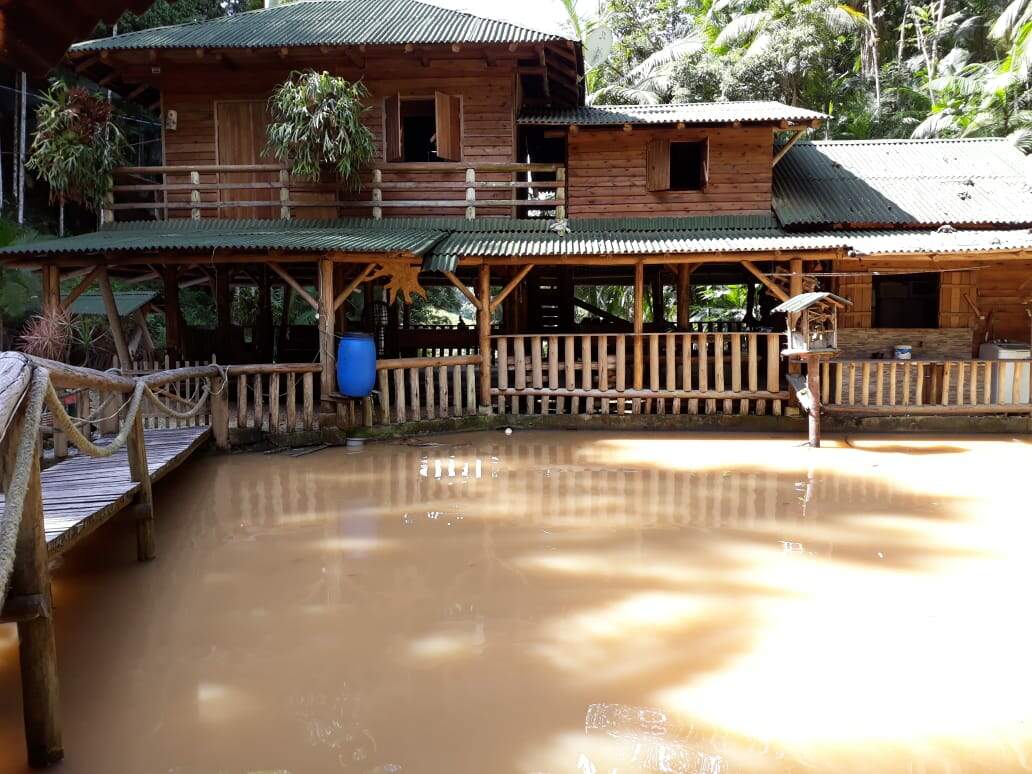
926	387
277	398
411	389
655	373
181	191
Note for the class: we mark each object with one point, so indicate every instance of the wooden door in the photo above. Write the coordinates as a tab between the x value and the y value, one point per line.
240	139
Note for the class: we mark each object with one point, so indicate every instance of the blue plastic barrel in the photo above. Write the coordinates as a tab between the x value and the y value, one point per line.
356	365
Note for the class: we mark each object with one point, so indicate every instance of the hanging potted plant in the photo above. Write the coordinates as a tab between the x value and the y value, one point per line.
316	127
77	145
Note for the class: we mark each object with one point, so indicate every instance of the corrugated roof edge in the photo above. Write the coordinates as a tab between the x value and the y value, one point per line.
119	41
912	141
604	115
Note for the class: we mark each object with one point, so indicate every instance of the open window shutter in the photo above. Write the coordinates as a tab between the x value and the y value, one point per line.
392	128
448	114
657	165
705	163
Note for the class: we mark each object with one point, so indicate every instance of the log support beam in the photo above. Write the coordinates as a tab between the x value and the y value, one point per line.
30	580
143	508
484	333
327	340
114	321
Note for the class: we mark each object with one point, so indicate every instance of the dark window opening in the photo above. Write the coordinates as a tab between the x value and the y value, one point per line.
418	130
906	301
687	166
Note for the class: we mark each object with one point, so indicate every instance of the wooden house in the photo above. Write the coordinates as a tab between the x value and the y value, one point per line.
492	175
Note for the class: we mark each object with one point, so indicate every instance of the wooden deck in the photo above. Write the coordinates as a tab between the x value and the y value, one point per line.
82	492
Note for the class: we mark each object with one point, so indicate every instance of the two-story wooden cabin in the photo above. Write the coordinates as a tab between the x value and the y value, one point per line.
494	176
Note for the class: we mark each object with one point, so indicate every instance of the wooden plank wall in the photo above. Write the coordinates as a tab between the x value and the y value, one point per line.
606	173
1000	285
488	119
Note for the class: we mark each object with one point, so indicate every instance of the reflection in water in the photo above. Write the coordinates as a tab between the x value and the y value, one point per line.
552	602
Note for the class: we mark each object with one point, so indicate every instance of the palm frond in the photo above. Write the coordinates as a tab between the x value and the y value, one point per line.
939	124
1012	18
1022	138
741	28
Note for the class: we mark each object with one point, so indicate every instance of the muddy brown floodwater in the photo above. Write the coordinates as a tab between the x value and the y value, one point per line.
558	602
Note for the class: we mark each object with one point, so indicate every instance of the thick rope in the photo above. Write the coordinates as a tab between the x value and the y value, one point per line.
84	444
189	413
14	500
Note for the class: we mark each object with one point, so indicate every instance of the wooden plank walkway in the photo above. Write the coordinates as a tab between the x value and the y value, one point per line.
83	492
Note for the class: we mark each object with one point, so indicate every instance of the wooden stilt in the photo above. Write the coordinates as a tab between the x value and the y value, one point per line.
220	410
173	314
144	506
484	331
639	327
36	645
684	296
327	340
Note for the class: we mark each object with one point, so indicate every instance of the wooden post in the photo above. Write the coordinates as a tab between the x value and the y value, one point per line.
813	384
195	195
684	296
37	649
658	307
484	331
50	282
220	412
223	313
173	314
144	507
639	327
327	353
114	321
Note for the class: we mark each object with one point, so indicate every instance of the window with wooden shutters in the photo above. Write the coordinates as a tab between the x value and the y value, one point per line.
448	115
423	128
392	128
677	166
657	165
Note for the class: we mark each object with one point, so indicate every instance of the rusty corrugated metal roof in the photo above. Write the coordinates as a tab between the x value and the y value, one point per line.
685	112
328	23
903	182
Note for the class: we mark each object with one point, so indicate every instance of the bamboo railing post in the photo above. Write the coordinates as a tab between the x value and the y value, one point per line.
274	403
291	402
144	501
377	194
560	193
220	412
471	193
308	400
195	195
37	650
484	333
284	194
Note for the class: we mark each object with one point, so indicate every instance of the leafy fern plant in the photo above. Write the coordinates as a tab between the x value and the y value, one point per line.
316	124
77	145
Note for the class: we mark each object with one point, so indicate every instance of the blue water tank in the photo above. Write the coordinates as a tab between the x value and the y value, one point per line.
356	365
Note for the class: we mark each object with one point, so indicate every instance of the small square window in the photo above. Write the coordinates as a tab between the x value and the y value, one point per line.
687	166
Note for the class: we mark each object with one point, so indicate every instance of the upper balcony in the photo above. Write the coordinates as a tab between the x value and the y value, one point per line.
267	192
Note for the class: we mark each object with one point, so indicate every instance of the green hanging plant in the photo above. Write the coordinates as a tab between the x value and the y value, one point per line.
77	145
317	125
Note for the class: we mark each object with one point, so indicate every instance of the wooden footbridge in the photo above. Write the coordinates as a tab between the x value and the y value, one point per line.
44	512
83	492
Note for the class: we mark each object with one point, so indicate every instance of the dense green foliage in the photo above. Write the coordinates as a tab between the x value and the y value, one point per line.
881	68
316	125
77	144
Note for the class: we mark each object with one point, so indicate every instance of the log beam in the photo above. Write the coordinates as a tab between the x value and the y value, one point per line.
780	294
463	289
484	333
81	288
295	285
327	351
114	321
511	286
352	286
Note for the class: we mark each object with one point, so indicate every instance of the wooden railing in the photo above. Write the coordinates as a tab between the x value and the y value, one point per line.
926	387
656	373
196	191
276	398
412	389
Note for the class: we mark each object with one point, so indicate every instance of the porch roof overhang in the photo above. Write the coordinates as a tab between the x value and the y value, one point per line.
441	243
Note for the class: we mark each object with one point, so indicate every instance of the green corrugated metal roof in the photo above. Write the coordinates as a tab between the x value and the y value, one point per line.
178	236
328	23
126	302
903	182
443	241
687	112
